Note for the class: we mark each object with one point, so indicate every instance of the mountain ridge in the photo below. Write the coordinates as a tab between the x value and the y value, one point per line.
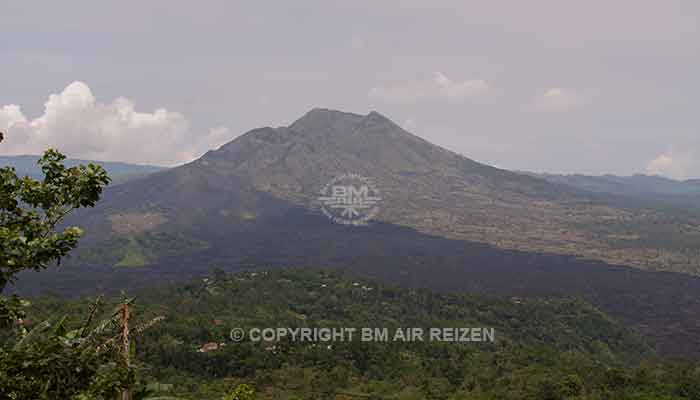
120	172
639	183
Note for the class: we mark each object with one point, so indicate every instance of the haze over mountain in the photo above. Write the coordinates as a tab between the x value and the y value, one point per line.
625	185
118	171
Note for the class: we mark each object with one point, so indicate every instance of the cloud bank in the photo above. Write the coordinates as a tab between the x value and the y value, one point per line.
75	123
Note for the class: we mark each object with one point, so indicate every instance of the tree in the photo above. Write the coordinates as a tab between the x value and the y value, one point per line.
30	211
49	361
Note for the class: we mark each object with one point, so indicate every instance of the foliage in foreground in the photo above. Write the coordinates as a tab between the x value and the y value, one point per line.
50	361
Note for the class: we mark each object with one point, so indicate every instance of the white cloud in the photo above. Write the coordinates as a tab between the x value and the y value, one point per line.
673	164
459	90
558	99
10	115
438	87
75	123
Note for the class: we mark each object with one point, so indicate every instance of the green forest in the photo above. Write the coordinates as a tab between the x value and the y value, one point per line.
544	349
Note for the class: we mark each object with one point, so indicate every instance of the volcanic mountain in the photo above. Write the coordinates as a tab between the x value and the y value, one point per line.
425	187
444	221
266	171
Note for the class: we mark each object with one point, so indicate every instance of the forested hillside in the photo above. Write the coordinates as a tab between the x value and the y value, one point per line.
544	348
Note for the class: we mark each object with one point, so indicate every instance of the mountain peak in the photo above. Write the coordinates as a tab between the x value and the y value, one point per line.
334	122
376	119
317	126
326	122
324	114
377	116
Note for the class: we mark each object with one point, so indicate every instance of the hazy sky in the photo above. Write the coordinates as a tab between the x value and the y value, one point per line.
561	86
